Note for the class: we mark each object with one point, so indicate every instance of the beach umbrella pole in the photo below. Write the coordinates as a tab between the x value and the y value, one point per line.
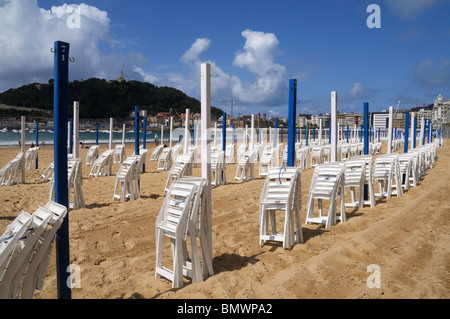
389	147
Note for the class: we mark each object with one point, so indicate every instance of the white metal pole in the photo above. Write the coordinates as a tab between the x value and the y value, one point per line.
170	134
320	131
252	134
206	155
389	147
334	131
123	135
186	132
22	147
111	124
76	128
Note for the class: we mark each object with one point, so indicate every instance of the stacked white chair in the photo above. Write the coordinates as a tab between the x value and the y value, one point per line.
48	173
75	181
267	160
355	172
30	157
386	172
177	219
244	169
92	155
11	173
327	183
155	154
368	180
301	157
344	151
407	169
241	150
102	166
181	167
10	275
281	192
119	154
25	251
229	154
218	168
124	186
165	159
316	155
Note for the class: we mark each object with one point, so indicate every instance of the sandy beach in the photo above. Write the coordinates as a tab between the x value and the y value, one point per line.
113	243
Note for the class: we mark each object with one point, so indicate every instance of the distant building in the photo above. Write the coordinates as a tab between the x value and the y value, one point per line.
441	111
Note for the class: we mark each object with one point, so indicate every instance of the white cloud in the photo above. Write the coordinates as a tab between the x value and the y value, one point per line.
431	74
360	91
28	32
199	46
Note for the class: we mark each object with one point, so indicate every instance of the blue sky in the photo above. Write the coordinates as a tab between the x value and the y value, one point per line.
254	47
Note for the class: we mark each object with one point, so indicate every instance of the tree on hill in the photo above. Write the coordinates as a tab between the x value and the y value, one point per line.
103	99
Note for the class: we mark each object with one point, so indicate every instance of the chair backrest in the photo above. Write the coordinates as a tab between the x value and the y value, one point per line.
13	233
280	185
174	212
326	179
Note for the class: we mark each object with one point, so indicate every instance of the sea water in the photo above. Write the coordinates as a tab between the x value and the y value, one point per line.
11	137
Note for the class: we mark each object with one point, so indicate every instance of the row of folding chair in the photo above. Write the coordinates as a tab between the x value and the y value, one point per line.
182	217
25	250
11	173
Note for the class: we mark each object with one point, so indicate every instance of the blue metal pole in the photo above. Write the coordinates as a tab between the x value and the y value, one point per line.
429	132
366	128
275	133
379	133
347	131
291	121
424	131
136	130
406	132
96	134
60	104
414	137
314	134
37	144
224	131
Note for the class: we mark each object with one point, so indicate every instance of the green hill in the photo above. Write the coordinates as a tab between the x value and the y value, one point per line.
103	99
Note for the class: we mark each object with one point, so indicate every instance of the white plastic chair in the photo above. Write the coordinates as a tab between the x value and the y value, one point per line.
281	192
103	164
92	155
355	170
165	159
172	222
327	183
37	265
12	272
